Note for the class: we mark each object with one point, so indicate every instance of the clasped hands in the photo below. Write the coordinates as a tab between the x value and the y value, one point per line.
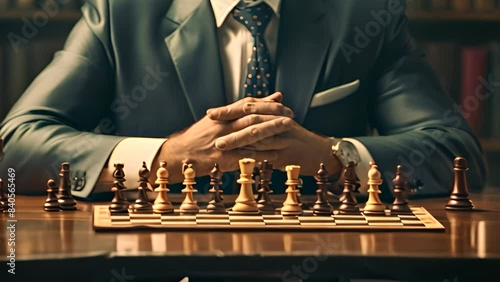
258	128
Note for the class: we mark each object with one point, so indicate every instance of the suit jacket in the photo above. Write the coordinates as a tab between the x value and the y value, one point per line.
152	68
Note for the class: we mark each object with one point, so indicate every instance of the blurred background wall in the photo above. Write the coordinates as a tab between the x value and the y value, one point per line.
460	37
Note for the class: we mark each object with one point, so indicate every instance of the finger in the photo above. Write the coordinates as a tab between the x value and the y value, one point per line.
274	142
239	110
241	153
254	133
250	120
275	97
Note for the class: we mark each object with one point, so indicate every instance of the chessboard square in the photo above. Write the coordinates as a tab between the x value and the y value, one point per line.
319	219
272	216
349	217
120	218
282	222
213	221
177	218
385	223
179	223
412	222
248	223
145	221
318	224
382	219
120	222
408	217
351	222
212	216
244	218
145	216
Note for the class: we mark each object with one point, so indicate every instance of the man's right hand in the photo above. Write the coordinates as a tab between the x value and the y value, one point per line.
256	119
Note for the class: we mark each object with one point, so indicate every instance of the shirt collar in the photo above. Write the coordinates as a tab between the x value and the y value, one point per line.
222	8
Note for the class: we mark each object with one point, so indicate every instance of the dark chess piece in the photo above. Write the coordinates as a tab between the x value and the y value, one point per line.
459	198
349	204
265	205
256	178
51	203
322	206
216	205
3	198
401	190
65	199
142	204
119	204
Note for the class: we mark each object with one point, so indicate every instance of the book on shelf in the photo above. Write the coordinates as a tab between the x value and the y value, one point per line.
474	73
494	109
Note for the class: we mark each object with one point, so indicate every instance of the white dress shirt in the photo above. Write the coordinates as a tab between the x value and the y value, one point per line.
236	44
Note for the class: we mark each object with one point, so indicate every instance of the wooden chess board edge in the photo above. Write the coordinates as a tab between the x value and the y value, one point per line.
100	223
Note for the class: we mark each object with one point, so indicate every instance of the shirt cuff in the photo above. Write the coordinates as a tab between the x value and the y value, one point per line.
364	164
131	152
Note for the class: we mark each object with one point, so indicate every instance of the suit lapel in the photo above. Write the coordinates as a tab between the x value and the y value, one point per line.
305	35
194	50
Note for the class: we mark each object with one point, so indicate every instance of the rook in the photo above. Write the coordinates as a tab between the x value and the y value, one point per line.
65	199
459	198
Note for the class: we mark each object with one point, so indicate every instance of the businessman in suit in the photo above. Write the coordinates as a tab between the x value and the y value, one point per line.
164	80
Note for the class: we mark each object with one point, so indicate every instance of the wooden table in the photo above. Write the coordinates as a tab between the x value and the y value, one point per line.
63	246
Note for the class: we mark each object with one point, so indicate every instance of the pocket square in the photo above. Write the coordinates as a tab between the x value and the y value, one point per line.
334	94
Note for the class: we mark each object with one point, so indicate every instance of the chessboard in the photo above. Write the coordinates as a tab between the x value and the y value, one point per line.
418	220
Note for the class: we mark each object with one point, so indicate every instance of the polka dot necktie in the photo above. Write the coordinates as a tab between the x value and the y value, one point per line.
258	82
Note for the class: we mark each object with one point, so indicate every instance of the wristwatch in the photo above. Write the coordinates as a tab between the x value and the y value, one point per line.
346	152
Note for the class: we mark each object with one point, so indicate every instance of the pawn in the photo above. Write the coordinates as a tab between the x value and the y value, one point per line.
119	204
349	204
459	198
189	205
322	206
162	204
3	199
65	199
142	204
51	203
374	205
216	205
401	186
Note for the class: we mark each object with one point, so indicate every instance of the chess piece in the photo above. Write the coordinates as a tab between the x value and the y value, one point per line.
374	205
256	179
162	204
264	204
401	186
292	206
189	205
51	203
349	204
119	204
245	203
3	198
142	204
65	199
459	198
322	206
216	205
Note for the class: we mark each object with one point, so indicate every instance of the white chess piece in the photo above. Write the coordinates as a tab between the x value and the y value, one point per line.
162	204
189	205
292	206
374	205
245	203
